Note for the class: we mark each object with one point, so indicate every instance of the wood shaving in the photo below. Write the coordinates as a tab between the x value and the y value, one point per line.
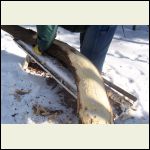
22	92
44	111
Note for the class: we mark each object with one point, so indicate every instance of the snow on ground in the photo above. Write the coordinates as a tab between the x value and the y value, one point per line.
126	65
13	77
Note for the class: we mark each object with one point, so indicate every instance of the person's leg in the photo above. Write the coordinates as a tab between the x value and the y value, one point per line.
74	28
95	43
46	35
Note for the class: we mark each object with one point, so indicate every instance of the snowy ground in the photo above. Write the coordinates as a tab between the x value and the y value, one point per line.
126	65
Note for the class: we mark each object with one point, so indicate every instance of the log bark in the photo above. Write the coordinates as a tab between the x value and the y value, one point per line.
93	106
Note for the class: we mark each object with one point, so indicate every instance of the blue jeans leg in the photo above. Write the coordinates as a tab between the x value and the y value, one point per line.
95	43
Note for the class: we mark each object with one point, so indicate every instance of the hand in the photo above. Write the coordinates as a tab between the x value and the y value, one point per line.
37	50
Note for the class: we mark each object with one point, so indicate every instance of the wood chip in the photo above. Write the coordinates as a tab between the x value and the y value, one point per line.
44	111
22	92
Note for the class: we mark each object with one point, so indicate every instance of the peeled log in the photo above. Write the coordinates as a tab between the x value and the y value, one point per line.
93	105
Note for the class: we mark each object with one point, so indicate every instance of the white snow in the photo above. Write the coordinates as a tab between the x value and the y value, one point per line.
13	77
126	65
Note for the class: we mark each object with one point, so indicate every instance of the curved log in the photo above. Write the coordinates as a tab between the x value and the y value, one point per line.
93	104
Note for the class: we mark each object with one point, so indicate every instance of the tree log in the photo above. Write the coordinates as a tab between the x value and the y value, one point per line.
93	106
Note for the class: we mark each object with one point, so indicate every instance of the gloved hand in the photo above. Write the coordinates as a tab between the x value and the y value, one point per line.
37	50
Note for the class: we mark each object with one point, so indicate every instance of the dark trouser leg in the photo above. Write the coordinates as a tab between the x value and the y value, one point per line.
95	43
46	35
